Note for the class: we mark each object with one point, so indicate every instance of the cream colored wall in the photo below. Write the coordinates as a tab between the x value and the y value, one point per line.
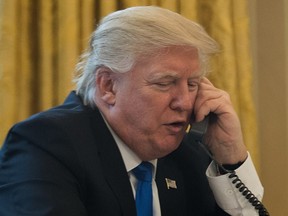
269	25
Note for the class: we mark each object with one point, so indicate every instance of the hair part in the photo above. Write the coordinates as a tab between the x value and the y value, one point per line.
124	36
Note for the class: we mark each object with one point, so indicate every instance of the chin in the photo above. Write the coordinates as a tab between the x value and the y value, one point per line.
167	148
160	151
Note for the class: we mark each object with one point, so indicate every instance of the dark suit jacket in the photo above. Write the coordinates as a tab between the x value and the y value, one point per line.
64	161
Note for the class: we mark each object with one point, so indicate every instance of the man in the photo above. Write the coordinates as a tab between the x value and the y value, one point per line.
138	85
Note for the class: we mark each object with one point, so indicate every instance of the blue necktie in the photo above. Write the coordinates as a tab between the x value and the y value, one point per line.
143	173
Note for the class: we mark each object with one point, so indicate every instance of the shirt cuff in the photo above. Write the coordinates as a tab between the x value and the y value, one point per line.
227	195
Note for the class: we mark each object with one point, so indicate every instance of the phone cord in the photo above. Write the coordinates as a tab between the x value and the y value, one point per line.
240	185
247	193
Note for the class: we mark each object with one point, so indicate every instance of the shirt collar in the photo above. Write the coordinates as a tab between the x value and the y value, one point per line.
131	160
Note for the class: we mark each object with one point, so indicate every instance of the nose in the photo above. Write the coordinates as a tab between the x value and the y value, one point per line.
182	99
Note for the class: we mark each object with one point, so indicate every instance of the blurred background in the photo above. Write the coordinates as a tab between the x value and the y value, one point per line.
41	40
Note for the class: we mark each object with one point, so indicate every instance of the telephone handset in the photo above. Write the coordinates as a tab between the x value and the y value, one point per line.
198	131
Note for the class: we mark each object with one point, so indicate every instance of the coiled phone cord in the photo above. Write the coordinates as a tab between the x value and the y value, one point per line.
236	181
247	193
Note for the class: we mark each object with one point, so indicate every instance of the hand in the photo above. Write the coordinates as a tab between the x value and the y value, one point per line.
224	136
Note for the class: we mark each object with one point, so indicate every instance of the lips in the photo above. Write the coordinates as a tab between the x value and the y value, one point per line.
177	124
176	127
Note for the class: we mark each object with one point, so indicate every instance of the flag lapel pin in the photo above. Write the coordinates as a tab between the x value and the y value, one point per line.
171	184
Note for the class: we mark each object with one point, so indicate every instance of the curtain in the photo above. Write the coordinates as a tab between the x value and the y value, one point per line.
40	43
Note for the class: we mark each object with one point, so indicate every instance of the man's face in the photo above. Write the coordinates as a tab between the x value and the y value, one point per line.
154	102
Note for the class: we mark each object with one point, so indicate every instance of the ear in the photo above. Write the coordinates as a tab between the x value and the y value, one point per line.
105	85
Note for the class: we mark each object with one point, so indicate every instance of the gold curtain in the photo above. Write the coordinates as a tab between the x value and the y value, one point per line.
40	42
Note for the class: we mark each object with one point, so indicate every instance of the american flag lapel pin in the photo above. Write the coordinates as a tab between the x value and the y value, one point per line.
171	184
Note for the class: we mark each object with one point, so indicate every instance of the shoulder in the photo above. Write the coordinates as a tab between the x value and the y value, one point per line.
58	120
64	132
62	129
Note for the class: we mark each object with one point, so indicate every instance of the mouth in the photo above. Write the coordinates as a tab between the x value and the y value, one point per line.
176	127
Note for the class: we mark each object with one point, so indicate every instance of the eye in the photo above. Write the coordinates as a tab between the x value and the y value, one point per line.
193	85
163	85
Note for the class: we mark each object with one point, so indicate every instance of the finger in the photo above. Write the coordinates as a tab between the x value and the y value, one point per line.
212	105
207	85
212	100
205	80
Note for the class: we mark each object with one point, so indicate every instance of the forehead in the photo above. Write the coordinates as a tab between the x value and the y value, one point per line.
171	61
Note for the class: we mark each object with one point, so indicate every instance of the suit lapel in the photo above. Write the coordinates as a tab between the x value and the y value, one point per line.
114	167
170	187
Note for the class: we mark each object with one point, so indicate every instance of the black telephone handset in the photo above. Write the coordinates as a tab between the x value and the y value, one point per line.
198	131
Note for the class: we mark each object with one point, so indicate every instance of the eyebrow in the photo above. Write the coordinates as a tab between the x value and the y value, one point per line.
166	74
170	74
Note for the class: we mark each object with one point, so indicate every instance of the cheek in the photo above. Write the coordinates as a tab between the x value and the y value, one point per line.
147	110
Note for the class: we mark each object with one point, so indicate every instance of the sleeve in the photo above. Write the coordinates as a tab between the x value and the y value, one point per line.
228	196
